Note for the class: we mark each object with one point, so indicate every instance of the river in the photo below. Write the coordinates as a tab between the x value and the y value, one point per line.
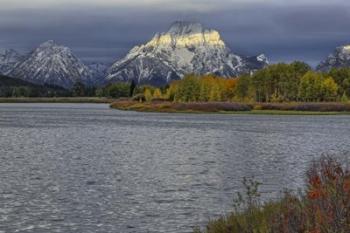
87	168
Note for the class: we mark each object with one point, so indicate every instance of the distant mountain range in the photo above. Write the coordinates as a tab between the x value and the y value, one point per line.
185	48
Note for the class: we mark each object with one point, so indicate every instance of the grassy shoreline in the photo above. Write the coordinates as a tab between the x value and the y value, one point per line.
198	108
302	113
58	100
235	108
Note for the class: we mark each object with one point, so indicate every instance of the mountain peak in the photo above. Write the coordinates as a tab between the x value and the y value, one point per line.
344	49
50	48
52	64
186	48
185	27
339	58
186	34
48	43
262	58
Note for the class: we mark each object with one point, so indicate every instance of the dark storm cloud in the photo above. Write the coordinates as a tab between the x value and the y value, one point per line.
307	33
284	32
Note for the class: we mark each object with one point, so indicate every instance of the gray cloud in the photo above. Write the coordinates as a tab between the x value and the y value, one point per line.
306	30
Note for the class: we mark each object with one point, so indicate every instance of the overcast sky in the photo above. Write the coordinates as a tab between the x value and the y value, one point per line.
104	30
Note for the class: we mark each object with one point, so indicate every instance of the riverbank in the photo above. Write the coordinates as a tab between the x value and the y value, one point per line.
59	100
235	108
170	107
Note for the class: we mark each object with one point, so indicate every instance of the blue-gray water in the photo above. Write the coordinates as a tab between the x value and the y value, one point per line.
86	168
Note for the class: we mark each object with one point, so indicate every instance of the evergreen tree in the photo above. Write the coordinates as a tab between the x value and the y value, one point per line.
78	89
132	88
118	90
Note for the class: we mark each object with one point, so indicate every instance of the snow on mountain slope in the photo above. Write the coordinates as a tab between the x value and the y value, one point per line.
52	64
8	60
339	58
186	48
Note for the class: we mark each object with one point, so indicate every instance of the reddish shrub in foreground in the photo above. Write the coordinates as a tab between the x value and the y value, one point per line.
323	208
329	197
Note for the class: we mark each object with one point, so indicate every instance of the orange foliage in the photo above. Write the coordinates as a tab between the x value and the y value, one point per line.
328	194
346	185
314	194
315	181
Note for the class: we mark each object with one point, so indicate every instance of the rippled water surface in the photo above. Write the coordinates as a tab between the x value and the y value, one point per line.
86	168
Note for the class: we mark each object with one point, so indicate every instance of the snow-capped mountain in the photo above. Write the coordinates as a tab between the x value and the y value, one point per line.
339	58
186	48
52	64
8	60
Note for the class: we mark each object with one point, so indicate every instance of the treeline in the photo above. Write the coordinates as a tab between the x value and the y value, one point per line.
276	83
295	82
11	87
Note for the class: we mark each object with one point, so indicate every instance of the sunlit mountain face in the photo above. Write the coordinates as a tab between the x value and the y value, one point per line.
187	47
